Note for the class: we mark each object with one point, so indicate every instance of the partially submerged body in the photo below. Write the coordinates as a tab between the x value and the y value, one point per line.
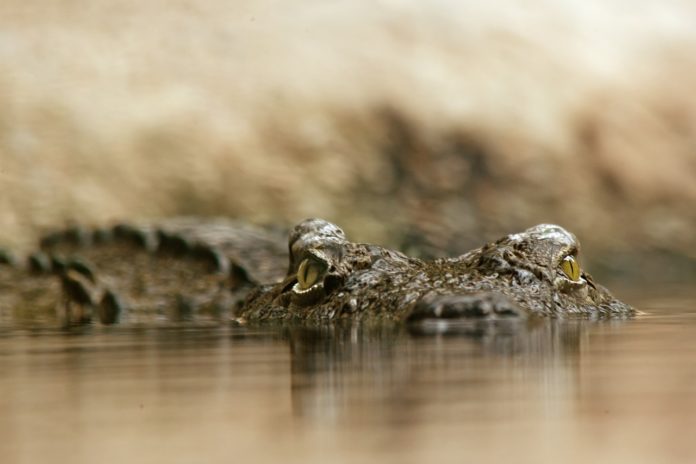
535	272
183	269
193	269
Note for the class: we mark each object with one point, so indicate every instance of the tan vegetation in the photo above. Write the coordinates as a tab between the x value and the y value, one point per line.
467	119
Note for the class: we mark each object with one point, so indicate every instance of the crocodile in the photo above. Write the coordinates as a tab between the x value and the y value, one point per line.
187	269
181	269
531	273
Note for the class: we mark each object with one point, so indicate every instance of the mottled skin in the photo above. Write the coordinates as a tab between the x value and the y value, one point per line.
182	269
517	276
190	269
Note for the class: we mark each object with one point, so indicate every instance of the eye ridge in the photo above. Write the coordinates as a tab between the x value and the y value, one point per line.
571	268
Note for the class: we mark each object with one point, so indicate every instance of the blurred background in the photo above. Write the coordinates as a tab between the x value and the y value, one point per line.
427	126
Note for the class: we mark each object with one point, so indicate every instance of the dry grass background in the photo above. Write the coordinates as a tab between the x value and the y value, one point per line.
453	121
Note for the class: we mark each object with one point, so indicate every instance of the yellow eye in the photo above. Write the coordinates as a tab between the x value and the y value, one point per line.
571	268
309	272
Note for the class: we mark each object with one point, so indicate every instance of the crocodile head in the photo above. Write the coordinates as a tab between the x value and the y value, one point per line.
535	272
539	269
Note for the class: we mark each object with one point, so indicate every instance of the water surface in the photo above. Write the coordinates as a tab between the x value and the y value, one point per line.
557	391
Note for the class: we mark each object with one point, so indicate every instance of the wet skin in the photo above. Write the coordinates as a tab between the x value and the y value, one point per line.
532	273
189	268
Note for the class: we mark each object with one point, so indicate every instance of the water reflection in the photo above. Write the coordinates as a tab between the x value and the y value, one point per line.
401	367
577	391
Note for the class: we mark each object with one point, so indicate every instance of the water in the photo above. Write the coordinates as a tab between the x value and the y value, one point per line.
573	391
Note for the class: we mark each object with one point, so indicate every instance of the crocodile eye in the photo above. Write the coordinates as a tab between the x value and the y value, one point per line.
309	272
570	267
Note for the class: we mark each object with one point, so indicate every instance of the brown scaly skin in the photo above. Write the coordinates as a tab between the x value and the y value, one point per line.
517	276
194	269
182	269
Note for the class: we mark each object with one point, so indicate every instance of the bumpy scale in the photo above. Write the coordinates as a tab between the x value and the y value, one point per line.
189	268
535	272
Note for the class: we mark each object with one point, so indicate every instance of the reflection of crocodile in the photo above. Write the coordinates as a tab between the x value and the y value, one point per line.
331	362
187	267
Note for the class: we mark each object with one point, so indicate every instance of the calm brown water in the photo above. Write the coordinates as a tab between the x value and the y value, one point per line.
573	391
